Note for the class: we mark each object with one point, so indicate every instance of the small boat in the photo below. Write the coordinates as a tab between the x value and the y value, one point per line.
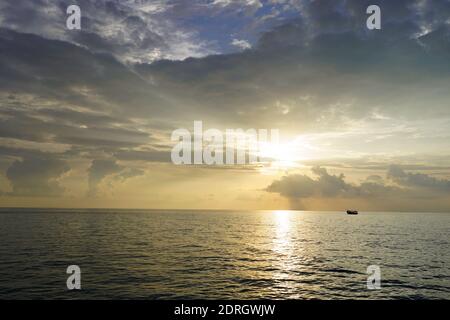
352	212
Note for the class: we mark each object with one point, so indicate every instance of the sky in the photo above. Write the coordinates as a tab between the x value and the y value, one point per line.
86	116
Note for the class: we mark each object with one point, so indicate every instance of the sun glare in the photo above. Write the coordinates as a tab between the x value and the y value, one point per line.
286	155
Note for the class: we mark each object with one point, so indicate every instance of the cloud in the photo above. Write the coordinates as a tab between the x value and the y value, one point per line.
241	44
34	176
132	31
418	180
301	65
237	3
129	173
88	100
326	185
312	66
100	169
408	187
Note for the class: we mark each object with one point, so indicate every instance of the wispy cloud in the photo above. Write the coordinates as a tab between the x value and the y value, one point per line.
241	44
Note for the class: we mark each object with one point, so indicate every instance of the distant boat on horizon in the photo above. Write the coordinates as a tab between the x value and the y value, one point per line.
352	211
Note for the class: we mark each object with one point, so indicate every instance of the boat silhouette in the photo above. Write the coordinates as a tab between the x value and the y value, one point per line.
352	212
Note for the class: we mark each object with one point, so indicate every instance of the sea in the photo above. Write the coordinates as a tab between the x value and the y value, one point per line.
211	254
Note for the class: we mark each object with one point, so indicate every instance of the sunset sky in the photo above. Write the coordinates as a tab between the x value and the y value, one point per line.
86	115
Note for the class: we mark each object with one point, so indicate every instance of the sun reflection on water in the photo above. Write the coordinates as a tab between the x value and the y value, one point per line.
282	250
282	223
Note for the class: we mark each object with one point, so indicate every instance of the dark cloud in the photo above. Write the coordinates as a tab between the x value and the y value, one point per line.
325	186
300	75
410	187
68	74
418	180
36	176
72	128
64	94
312	78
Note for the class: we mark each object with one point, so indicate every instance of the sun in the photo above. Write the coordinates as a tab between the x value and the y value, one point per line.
285	154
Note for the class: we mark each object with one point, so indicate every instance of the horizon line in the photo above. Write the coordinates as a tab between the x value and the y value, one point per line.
214	209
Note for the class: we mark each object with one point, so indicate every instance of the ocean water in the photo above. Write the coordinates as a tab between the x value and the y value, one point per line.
155	254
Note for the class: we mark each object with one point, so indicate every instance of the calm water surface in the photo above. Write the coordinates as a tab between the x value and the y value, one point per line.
130	254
